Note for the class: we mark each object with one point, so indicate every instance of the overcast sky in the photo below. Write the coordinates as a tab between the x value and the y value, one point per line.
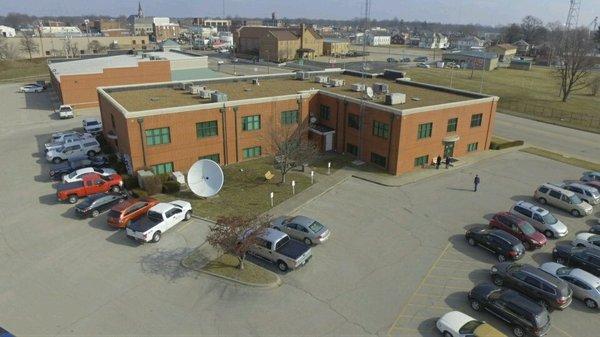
490	12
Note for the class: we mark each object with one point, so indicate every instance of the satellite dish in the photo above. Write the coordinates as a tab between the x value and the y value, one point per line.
205	178
313	119
369	92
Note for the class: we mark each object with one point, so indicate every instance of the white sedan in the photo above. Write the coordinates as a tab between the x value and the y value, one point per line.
457	324
589	240
78	175
31	88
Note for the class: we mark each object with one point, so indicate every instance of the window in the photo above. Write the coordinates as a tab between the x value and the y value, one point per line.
250	123
325	112
422	161
555	194
47	53
289	117
476	120
158	136
82	52
381	129
378	159
206	129
472	147
214	157
425	130
162	168
133	42
452	124
112	120
353	121
143	41
543	189
251	152
352	149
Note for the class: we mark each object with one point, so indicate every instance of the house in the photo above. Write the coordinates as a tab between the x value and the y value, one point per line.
378	39
433	41
469	42
333	47
6	31
401	38
472	59
504	51
522	47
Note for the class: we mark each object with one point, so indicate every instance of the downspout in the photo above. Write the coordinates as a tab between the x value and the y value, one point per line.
489	130
387	162
140	121
237	143
224	130
344	126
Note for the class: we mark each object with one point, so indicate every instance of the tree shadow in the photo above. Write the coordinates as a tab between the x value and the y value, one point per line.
167	263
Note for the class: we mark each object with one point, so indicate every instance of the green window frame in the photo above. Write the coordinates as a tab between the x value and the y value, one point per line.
252	152
378	159
352	149
162	168
452	125
250	123
476	120
325	112
381	129
289	117
207	129
472	147
353	121
422	160
425	130
214	157
158	136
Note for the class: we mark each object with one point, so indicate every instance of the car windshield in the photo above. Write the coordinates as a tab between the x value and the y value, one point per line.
155	216
64	108
470	327
92	123
564	271
316	227
114	214
87	202
595	193
549	218
72	175
527	228
574	200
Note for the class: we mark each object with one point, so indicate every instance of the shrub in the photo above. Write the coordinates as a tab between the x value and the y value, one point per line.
171	186
129	182
164	177
152	184
139	193
505	145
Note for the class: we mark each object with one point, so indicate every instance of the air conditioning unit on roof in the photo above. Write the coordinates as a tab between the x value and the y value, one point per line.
179	86
196	89
302	75
206	93
336	82
395	98
381	88
358	87
321	79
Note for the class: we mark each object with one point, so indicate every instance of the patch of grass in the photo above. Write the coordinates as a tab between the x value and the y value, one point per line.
245	191
588	165
339	161
499	140
226	266
16	69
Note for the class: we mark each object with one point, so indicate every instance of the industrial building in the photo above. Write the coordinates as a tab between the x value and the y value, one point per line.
332	47
75	82
401	127
472	59
504	51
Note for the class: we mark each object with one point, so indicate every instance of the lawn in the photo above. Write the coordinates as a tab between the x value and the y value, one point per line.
563	158
245	191
15	69
226	266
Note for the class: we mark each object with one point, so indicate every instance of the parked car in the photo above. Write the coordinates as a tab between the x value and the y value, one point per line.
585	286
302	228
457	324
518	228
421	59
159	219
92	125
277	247
121	215
540	218
89	147
65	111
452	65
590	176
32	87
500	243
60	136
59	170
589	194
80	173
91	184
67	141
595	229
592	183
523	315
587	259
392	60
563	199
405	59
548	290
98	203
588	240
423	65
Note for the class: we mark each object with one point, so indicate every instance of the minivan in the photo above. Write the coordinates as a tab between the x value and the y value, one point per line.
89	147
563	199
540	218
589	194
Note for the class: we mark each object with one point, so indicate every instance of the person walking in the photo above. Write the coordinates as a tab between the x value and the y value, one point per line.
447	162
476	182
438	162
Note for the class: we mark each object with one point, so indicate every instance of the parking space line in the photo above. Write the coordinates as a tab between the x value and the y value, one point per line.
428	306
464	262
561	331
445	286
454	268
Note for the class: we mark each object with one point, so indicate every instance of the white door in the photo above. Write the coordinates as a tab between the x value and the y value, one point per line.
329	141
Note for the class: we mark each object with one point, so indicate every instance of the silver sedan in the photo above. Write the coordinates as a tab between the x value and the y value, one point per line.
585	286
302	228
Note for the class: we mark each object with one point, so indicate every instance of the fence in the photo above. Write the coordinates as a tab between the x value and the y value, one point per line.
577	120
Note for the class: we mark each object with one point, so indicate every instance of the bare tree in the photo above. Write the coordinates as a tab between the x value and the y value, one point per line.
533	29
595	85
291	147
236	234
8	51
71	48
28	45
575	62
96	47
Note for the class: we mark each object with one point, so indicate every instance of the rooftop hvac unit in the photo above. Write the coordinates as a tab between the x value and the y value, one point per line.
358	87
336	82
381	88
321	79
218	97
196	89
206	93
179	86
395	98
301	75
255	81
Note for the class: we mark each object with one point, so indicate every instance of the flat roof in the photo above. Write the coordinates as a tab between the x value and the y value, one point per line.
97	64
160	96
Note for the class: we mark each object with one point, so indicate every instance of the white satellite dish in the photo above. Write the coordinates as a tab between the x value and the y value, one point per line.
369	92
313	119
205	178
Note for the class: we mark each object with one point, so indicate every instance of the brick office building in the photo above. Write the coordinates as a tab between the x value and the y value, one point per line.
160	127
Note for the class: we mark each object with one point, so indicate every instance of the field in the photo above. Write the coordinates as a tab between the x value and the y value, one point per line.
16	70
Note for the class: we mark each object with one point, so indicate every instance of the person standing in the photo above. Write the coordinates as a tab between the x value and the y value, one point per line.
438	162
476	182
447	162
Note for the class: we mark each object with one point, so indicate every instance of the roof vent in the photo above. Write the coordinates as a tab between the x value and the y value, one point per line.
381	88
302	75
358	87
218	97
395	98
321	79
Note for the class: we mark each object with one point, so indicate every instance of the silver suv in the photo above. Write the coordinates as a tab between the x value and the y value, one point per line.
563	199
586	193
540	218
89	147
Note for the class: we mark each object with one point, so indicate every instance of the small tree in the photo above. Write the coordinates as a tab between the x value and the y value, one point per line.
28	45
8	51
96	47
291	148
236	234
575	62
595	85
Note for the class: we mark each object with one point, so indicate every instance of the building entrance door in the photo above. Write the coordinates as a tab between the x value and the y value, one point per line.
448	149
329	141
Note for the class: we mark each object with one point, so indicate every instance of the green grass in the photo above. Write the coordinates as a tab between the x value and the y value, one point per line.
226	266
588	165
16	69
499	140
245	191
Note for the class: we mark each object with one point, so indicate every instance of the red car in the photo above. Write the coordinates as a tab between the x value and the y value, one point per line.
122	214
91	184
518	228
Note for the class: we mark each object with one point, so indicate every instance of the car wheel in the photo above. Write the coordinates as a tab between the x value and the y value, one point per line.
471	241
188	215
575	213
91	153
277	229
115	189
308	241
527	245
549	234
95	213
73	199
542	201
156	237
56	160
518	331
590	303
281	265
475	305
497	280
501	258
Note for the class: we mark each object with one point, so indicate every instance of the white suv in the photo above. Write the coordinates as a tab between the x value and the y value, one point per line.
540	218
92	125
65	111
67	139
88	146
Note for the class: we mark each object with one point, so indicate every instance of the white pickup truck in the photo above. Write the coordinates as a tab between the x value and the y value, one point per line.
158	220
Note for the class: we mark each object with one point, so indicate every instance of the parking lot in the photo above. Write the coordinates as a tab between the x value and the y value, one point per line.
395	262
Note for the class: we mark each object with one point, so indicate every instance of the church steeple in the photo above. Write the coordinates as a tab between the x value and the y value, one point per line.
140	11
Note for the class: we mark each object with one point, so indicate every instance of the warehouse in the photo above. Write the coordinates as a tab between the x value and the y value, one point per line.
164	127
472	59
75	82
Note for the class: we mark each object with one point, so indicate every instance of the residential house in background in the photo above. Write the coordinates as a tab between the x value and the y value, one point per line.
504	51
401	38
522	47
6	31
165	29
469	43
378	39
218	24
433	40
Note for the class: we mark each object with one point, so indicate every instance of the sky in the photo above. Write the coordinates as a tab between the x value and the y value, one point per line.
487	12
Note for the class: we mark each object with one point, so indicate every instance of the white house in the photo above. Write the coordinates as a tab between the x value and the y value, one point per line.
379	40
433	40
469	42
6	31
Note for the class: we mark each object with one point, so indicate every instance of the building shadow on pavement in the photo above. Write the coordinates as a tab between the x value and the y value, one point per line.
38	101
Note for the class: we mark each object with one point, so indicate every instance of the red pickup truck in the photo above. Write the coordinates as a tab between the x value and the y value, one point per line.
91	184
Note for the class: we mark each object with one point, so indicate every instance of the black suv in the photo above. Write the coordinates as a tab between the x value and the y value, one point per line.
502	244
523	315
587	259
547	289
